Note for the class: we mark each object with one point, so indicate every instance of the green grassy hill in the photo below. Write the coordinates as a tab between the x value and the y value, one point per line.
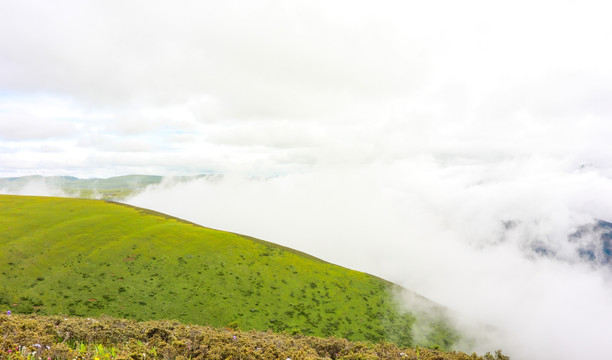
90	257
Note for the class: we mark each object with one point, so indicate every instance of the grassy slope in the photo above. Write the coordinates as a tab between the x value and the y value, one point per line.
88	257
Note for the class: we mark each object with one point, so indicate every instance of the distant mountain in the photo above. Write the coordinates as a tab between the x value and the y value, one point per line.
90	257
114	188
589	243
594	242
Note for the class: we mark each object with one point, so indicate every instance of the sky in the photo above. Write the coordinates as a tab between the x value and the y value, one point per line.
102	88
430	143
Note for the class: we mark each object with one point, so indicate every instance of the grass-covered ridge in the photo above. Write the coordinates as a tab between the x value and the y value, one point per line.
89	257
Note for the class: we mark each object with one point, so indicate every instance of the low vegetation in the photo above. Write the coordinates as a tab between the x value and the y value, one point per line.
58	337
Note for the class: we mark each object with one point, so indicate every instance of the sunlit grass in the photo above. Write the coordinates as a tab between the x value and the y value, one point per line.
87	258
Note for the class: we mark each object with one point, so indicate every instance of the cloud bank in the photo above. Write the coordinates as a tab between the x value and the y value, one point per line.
441	229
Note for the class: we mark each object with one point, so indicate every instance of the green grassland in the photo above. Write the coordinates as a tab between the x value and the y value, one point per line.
91	257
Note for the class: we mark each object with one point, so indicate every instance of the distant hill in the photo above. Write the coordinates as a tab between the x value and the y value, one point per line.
91	257
114	188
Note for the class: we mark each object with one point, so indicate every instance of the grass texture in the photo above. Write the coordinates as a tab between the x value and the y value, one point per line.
90	257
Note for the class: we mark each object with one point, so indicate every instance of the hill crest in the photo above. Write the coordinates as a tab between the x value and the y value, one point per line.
90	257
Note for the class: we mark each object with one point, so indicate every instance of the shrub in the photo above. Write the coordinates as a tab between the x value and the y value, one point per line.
58	337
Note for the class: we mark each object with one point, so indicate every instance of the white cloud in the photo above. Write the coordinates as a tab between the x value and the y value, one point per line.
20	126
471	79
440	229
274	134
35	118
245	55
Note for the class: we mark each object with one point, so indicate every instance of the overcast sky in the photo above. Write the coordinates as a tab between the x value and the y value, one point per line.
103	88
432	143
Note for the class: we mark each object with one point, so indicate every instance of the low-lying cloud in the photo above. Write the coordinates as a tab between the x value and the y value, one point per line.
36	186
463	234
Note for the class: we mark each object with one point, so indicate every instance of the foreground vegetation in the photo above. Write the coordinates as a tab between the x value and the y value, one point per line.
58	337
90	257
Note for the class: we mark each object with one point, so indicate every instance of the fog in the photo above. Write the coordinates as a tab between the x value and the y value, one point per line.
460	233
32	187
